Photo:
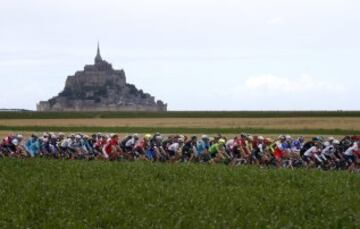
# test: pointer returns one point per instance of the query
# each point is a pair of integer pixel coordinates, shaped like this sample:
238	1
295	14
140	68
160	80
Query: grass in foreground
53	194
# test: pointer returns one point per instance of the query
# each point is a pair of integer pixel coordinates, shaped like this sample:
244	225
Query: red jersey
140	145
109	146
255	142
100	143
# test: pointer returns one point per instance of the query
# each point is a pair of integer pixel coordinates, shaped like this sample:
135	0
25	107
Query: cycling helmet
205	137
147	136
222	141
19	136
15	142
34	135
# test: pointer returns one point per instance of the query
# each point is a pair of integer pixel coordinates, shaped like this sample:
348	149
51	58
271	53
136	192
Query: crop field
178	114
281	123
43	193
304	123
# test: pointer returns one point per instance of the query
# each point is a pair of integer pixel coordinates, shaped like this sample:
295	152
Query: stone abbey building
99	87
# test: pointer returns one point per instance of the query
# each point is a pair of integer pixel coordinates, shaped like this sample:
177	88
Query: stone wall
45	106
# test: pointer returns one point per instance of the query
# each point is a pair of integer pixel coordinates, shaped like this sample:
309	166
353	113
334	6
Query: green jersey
215	148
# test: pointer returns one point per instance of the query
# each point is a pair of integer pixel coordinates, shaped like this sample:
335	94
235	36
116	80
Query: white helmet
19	136
15	142
326	144
261	138
204	137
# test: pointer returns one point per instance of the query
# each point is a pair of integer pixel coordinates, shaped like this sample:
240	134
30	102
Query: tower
98	58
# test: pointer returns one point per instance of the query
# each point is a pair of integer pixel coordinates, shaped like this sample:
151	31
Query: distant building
99	87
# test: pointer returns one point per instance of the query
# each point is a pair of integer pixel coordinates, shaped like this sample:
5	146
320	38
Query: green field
81	194
171	130
177	114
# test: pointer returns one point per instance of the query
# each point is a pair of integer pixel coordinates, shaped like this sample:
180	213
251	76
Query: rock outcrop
101	88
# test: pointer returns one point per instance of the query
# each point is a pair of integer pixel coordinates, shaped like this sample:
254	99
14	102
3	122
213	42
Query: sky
192	54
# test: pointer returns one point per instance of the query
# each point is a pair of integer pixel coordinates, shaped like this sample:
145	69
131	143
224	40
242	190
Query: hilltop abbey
99	87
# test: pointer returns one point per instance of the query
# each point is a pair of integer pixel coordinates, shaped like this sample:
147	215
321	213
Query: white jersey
230	144
311	151
350	150
280	145
261	147
174	147
131	142
66	143
328	150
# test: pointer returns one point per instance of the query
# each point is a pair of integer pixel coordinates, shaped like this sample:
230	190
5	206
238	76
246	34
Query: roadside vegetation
43	193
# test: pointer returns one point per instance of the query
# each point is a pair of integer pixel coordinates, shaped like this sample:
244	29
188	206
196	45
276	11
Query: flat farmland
269	123
255	122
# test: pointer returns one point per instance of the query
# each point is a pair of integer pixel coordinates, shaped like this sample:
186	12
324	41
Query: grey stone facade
101	88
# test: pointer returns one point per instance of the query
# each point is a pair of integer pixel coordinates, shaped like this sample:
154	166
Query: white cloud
273	21
272	92
303	83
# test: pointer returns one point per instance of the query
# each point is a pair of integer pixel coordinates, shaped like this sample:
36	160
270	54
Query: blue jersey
201	146
296	145
32	146
286	145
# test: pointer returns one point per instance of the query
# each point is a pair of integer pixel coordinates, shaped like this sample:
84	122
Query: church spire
98	56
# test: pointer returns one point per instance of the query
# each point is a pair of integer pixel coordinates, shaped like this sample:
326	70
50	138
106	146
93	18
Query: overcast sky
192	54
